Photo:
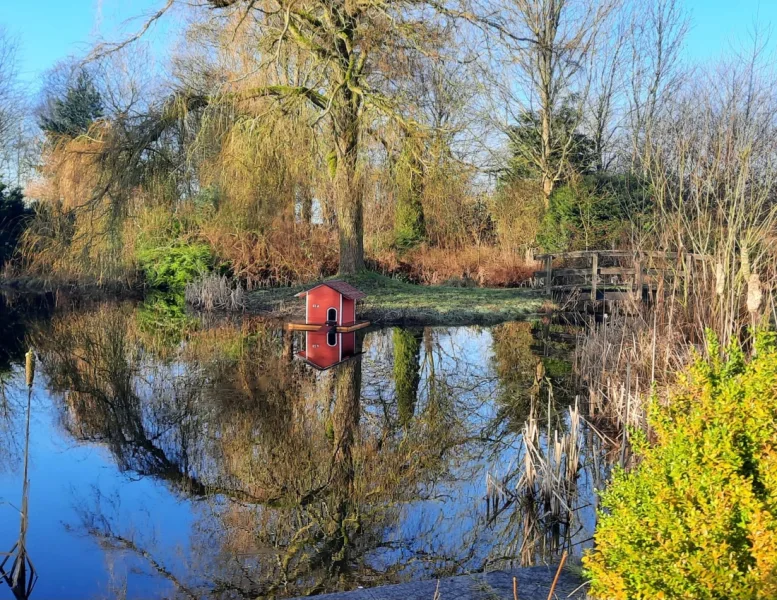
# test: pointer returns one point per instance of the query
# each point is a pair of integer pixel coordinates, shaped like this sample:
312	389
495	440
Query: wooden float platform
344	328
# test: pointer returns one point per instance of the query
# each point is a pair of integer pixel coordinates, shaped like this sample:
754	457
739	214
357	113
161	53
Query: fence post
548	273
594	274
688	264
638	278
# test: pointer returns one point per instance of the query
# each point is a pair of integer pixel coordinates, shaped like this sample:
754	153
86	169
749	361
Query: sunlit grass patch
392	300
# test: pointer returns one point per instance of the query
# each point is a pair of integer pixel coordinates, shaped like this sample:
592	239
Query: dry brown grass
215	292
483	266
288	254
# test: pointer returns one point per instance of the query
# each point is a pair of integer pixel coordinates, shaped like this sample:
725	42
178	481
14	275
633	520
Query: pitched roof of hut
341	287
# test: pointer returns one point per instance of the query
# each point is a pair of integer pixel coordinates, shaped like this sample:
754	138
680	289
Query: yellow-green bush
697	519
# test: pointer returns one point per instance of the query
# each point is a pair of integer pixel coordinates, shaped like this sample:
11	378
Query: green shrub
409	225
171	267
595	211
698	517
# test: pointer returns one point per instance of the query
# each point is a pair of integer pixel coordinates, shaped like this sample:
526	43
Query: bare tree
712	158
605	111
12	110
8	75
550	44
656	37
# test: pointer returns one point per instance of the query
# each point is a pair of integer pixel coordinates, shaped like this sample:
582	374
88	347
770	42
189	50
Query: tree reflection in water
302	482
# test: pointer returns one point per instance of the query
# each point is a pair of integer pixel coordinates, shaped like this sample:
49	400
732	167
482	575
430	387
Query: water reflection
325	349
272	478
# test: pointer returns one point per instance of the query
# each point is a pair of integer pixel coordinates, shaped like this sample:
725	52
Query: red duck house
330	306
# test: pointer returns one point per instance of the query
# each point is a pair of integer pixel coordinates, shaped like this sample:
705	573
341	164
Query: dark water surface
174	456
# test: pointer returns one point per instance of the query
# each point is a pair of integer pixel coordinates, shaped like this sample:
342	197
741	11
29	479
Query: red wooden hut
331	306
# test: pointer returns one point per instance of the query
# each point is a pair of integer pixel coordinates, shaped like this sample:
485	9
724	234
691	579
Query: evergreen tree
13	215
74	114
525	140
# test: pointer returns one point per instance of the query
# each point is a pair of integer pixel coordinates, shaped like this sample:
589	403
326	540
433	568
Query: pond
173	455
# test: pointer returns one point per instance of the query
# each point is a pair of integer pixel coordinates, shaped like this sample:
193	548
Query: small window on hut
331	315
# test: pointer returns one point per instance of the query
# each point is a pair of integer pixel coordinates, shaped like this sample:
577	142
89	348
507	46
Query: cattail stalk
754	294
29	367
720	279
744	259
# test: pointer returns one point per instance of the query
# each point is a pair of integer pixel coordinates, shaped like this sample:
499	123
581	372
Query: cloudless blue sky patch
717	26
50	30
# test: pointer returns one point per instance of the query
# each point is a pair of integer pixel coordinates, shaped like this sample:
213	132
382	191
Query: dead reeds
216	292
546	490
620	361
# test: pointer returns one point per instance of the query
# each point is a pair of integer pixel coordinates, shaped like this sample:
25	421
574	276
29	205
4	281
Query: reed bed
624	363
545	491
216	292
632	358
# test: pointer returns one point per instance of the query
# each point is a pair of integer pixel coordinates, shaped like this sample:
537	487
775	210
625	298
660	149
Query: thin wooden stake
515	588
558	573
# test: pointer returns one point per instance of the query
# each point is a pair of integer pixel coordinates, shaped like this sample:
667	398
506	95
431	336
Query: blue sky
717	25
50	30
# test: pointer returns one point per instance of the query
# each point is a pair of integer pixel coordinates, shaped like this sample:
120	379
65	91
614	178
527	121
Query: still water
178	456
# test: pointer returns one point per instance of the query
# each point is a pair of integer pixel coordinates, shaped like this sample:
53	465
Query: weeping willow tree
75	233
97	168
181	169
343	61
262	157
263	173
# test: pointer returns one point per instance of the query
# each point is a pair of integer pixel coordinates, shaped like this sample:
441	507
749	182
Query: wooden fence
617	275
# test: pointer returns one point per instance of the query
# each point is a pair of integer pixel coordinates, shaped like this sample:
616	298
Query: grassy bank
393	301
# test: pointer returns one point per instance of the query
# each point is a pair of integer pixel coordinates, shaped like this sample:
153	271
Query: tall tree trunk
350	220
348	188
547	150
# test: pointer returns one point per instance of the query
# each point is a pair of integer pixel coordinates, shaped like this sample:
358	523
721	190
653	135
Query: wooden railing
616	271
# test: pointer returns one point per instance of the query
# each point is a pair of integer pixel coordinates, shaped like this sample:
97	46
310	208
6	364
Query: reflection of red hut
325	349
330	306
